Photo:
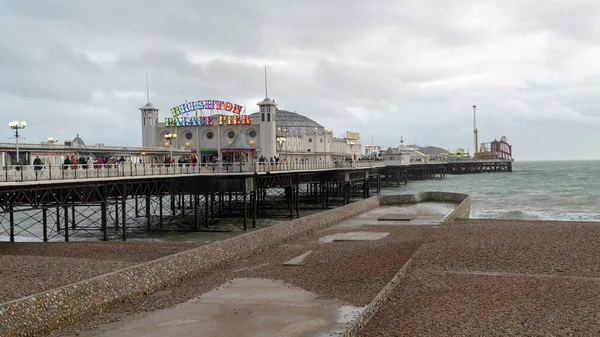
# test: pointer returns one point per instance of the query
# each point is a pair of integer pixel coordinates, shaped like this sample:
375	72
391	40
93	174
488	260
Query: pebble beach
466	278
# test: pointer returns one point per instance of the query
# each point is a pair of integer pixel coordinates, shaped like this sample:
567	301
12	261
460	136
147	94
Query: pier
479	166
117	202
58	203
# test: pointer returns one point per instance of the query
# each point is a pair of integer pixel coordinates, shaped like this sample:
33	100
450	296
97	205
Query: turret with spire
149	119
268	124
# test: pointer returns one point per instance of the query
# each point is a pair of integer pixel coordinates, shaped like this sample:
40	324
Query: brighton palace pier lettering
207	121
235	119
208	105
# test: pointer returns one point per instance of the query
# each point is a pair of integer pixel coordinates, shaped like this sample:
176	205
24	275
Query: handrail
49	172
45	172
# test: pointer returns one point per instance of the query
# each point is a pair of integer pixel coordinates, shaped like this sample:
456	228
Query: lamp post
52	140
15	125
170	136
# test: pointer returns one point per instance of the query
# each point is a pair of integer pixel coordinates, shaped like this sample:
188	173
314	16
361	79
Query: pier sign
208	120
183	109
208	104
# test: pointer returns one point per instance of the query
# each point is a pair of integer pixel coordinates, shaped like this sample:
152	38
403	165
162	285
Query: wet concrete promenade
312	286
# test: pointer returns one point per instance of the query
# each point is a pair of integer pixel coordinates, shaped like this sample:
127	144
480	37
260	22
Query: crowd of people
88	162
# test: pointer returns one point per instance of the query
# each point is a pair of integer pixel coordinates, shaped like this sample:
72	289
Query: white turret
149	121
268	135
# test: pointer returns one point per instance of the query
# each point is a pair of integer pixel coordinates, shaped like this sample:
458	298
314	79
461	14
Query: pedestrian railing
22	173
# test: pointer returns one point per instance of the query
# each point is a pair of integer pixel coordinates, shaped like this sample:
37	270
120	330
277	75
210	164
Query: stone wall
43	312
365	316
462	210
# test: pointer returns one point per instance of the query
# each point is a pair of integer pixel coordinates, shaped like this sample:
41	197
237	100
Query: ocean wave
5	238
535	215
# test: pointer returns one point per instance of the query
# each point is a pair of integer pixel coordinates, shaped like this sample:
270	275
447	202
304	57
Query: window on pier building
268	116
263	117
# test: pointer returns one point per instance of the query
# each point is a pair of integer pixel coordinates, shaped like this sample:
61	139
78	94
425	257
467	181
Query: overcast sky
383	68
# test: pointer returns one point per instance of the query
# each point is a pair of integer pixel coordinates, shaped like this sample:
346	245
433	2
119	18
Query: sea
534	190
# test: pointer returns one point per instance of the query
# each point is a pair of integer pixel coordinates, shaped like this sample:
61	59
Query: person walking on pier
99	163
37	163
66	162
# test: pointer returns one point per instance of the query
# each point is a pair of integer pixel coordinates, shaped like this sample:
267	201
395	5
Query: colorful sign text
208	105
208	120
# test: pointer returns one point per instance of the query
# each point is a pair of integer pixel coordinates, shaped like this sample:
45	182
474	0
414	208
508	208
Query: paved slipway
312	286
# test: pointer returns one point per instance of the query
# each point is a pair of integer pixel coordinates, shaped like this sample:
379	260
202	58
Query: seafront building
211	130
222	131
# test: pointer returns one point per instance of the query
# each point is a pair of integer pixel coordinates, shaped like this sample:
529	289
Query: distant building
495	149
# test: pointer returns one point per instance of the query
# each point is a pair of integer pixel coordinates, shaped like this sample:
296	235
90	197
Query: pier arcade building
223	131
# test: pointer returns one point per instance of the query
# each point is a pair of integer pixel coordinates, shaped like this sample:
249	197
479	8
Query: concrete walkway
339	265
244	307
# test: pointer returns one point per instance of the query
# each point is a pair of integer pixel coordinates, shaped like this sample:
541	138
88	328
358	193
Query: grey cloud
389	68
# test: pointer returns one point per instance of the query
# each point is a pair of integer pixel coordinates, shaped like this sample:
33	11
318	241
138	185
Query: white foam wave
4	238
535	215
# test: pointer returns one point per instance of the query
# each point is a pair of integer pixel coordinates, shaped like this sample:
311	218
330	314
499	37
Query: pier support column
137	210
58	229
297	200
253	205
66	210
196	215
289	198
182	204
160	212
323	194
73	221
44	223
221	204
327	184
173	213
103	221
245	212
12	224
206	198
346	193
148	223
212	205
317	192
124	211
117	214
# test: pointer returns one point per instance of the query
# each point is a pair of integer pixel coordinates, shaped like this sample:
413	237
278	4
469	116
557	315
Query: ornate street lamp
15	125
170	136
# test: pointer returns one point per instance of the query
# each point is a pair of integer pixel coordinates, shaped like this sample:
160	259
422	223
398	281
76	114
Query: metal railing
476	160
22	173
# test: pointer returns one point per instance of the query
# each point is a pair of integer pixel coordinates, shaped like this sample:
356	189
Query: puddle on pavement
245	307
354	236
